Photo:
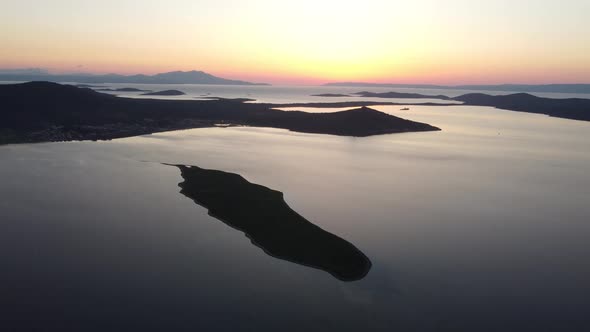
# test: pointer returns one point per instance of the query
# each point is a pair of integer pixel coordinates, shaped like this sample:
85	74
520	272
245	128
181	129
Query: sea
483	226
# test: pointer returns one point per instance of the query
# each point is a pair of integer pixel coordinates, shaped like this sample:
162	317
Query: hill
572	108
551	88
44	111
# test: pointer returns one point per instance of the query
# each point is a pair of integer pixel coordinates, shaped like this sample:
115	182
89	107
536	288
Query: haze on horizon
306	42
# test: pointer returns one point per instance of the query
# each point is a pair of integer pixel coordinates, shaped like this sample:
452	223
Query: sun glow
306	41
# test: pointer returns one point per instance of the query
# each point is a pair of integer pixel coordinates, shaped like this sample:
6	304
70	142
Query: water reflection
264	216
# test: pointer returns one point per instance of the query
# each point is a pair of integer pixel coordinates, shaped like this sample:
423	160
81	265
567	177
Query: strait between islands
44	111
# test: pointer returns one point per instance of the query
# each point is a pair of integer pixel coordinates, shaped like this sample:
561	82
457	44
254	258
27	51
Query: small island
89	86
165	93
331	95
266	219
123	90
238	100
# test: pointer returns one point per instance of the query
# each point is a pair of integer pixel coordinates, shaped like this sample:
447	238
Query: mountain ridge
172	77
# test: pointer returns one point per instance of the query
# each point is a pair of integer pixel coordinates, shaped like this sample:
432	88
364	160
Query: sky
305	41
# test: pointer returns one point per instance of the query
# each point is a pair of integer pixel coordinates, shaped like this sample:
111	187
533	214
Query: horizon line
320	82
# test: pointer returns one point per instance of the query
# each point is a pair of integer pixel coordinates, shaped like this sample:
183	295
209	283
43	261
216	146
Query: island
552	88
120	89
241	100
331	95
568	108
89	86
400	95
45	111
164	93
266	219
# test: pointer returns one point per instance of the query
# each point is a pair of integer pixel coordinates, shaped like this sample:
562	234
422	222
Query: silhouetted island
400	95
173	77
44	111
120	89
571	108
344	104
266	219
89	86
241	100
568	108
164	93
331	95
554	88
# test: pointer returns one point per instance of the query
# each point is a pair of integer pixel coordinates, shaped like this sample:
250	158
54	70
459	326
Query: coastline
50	112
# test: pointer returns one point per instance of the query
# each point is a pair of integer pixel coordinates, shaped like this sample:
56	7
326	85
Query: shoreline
49	112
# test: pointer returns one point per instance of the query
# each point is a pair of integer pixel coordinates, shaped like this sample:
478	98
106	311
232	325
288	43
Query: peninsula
571	108
44	111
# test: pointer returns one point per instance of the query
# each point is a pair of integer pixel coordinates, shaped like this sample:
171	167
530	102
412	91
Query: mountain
174	77
550	88
24	71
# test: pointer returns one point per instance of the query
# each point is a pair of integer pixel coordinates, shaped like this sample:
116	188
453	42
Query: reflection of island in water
264	216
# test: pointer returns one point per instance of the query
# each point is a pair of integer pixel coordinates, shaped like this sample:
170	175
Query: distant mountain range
554	88
174	77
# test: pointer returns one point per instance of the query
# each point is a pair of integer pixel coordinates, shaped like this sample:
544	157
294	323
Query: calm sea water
481	227
298	94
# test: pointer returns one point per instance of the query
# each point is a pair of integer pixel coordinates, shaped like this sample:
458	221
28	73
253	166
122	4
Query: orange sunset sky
304	41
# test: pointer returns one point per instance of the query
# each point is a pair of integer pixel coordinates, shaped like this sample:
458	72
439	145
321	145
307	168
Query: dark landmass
118	90
331	95
44	111
241	100
266	219
90	86
165	93
359	122
175	77
550	88
572	108
345	104
400	95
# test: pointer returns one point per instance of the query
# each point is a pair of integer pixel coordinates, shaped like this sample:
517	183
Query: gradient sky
306	41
